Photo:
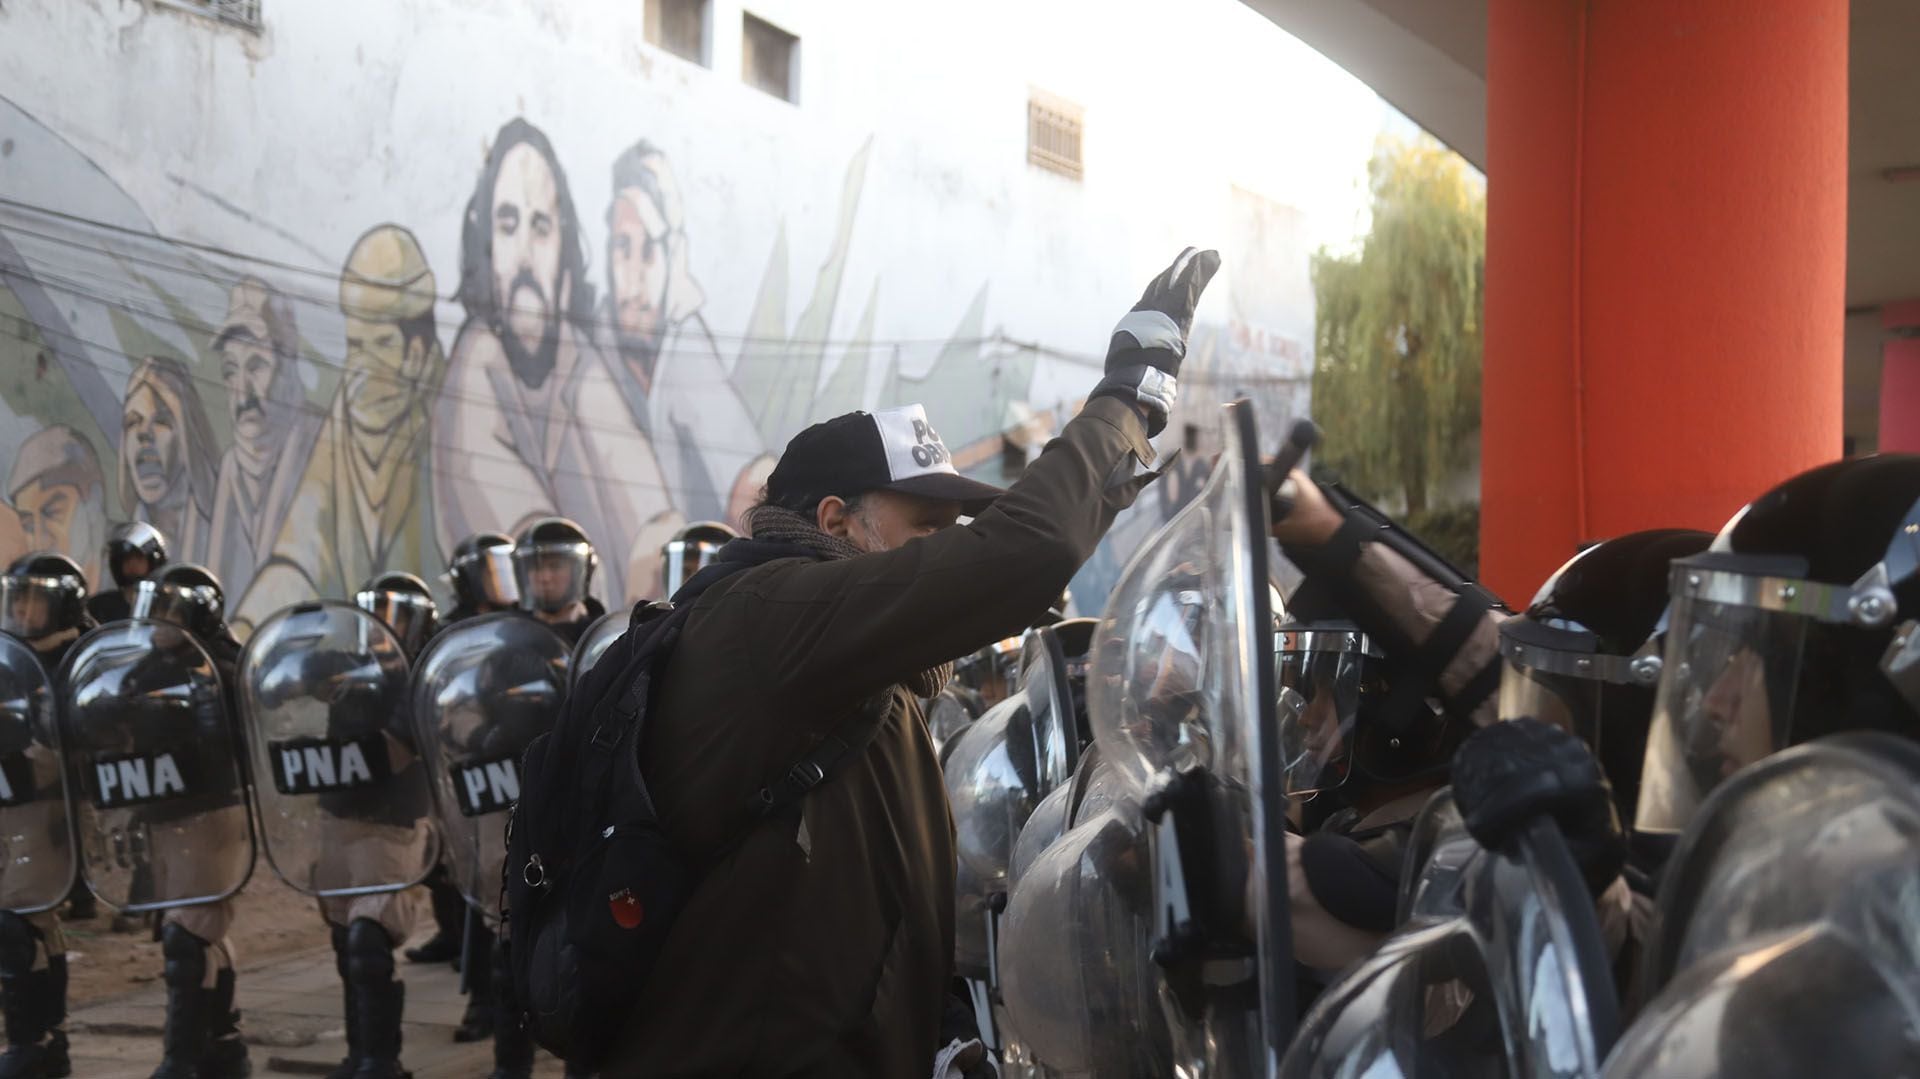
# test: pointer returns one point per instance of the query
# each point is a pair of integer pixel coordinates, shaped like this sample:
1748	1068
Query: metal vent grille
1053	135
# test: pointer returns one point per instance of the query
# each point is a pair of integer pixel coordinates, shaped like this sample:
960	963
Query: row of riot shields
1123	906
1122	877
348	767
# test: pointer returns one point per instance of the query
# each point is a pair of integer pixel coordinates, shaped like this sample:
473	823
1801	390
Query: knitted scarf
780	525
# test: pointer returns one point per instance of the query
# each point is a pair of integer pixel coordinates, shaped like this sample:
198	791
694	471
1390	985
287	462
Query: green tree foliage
1396	381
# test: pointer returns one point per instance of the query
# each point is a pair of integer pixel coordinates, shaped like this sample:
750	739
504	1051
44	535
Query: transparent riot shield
481	692
1786	941
36	835
154	764
1181	698
1499	970
1079	982
596	640
345	806
998	769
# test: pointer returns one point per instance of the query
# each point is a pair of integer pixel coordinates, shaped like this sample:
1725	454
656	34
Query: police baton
1300	439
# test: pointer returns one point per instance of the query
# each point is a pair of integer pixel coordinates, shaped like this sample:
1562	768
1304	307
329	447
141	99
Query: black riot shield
1499	970
36	836
154	764
1786	943
344	800
1182	700
599	637
481	691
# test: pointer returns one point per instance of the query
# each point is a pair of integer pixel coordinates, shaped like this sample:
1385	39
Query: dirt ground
272	920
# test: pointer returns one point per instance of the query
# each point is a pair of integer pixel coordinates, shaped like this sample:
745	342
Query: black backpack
592	884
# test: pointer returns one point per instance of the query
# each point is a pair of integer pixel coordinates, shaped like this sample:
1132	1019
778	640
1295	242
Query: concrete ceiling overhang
1428	58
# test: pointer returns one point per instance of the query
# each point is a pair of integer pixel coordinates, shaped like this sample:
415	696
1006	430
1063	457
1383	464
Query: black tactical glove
1510	773
1143	358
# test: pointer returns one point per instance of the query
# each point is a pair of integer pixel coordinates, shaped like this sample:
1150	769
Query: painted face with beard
151	440
251	371
529	287
637	273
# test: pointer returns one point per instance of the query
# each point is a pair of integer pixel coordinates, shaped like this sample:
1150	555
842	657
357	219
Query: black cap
894	449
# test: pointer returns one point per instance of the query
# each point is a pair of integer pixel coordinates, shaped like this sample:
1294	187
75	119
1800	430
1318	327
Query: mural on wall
301	429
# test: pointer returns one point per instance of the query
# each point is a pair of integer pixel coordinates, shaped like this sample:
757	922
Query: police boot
380	1000
81	906
477	1024
512	1046
36	1048
189	1005
54	981
226	1056
350	1011
449	917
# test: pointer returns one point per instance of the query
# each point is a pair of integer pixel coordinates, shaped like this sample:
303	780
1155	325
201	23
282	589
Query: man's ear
831	517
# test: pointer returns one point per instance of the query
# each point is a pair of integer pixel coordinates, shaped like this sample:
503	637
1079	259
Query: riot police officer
134	549
1782	943
553	564
1586	653
1798	621
365	929
43	603
481	570
202	1036
691	549
1389	661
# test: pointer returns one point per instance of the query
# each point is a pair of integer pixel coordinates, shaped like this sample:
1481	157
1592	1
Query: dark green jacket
822	945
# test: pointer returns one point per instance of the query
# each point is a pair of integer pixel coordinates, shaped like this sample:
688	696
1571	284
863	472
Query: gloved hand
1143	358
965	1060
1507	774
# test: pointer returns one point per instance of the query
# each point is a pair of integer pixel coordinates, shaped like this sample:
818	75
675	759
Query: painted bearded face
529	286
637	272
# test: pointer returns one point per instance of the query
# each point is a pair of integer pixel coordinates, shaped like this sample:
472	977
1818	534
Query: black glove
1510	773
1143	358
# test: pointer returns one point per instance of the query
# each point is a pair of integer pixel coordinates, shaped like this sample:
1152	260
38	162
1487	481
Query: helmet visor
487	576
552	576
411	617
28	606
1566	701
189	608
1725	700
1322	675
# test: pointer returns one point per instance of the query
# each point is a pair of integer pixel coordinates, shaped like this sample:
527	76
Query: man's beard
533	366
641	348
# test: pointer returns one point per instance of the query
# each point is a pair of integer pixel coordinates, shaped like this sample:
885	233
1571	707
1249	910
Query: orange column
1666	255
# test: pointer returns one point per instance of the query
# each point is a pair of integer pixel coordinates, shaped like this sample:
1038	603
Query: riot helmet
1799	620
1585	655
134	540
41	594
403	602
690	550
481	570
1328	674
553	564
1344	720
184	594
990	672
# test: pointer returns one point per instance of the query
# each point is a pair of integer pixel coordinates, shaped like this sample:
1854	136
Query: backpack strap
842	744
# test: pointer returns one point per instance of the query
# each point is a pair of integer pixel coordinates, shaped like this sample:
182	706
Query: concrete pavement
291	1017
